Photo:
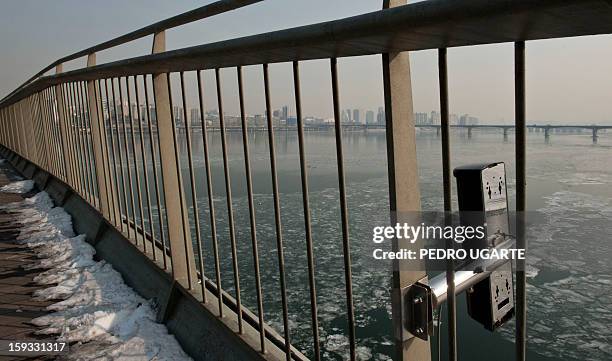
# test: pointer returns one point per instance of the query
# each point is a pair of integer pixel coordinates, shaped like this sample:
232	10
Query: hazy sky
568	80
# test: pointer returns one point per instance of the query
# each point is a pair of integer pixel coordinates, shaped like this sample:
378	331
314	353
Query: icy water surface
570	275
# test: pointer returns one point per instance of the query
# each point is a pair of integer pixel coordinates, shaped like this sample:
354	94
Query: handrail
425	25
83	127
202	12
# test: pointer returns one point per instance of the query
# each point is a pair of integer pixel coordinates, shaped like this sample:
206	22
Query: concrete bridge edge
201	333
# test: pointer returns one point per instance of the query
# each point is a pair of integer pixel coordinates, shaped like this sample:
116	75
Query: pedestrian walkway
17	307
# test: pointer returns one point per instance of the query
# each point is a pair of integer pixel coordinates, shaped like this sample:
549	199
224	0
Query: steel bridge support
181	249
404	193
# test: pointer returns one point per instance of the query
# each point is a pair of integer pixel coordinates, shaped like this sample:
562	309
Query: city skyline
480	78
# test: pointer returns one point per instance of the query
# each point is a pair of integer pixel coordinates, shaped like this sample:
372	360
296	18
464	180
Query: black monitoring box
483	201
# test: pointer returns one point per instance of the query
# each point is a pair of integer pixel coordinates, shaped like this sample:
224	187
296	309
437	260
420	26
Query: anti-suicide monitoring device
483	200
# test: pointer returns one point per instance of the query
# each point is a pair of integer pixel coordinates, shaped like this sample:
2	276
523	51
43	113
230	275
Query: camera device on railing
483	202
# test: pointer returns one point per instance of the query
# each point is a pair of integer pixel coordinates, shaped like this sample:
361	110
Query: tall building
285	113
195	116
435	118
421	119
349	116
346	116
369	117
380	116
356	118
177	112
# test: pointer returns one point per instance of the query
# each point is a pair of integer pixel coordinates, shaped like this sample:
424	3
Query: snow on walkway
19	187
99	314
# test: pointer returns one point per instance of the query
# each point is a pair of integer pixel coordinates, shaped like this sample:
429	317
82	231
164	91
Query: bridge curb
199	331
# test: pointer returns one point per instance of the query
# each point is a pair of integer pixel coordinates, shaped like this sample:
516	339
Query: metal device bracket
417	307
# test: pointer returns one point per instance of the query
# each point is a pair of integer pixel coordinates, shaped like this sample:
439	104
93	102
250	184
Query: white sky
568	80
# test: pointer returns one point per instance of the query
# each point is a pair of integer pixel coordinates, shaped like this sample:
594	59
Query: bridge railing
110	132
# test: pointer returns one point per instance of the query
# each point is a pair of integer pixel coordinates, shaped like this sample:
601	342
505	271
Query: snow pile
20	187
100	316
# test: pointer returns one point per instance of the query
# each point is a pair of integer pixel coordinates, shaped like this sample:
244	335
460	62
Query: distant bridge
547	128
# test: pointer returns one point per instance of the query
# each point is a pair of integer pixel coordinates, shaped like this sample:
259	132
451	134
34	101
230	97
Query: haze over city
562	75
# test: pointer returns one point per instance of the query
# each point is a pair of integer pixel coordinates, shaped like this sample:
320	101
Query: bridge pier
595	136
438	131
505	134
469	133
547	134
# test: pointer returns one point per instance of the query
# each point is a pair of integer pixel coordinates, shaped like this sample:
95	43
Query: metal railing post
62	116
521	198
23	112
451	304
404	192
183	262
99	150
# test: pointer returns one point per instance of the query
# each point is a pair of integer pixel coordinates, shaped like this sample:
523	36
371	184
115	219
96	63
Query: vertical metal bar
136	170
87	143
127	162
162	236
57	125
343	209
230	208
51	133
187	246
68	137
521	198
194	196
446	179
253	223
110	190
123	186
98	176
25	148
75	143
277	215
306	205
96	121
89	165
44	141
43	132
145	171
211	201
61	119
111	158
84	165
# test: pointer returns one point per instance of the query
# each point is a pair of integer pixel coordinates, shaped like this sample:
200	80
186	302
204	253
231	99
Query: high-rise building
356	118
346	116
434	119
177	112
349	116
421	119
380	116
369	117
285	113
195	116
